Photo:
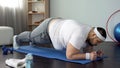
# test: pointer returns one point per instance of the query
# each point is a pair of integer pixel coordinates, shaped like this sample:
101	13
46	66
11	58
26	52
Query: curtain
13	13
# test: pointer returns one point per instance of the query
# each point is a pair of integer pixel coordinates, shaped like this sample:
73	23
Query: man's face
95	40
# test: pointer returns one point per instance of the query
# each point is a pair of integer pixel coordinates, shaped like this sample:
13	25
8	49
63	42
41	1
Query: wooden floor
112	50
3	58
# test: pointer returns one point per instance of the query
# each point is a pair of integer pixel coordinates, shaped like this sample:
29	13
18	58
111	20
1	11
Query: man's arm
89	49
72	53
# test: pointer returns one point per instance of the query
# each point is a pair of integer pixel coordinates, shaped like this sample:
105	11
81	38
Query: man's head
96	36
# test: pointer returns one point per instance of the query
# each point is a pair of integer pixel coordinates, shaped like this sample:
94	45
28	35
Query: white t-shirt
64	31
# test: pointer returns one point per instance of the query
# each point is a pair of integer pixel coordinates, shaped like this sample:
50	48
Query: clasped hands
95	54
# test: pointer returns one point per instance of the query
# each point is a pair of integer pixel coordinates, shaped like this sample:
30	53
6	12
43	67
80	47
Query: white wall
92	12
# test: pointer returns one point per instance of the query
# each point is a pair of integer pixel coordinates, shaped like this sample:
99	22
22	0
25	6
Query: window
11	3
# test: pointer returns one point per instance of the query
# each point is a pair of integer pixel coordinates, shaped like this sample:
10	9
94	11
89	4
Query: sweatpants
39	35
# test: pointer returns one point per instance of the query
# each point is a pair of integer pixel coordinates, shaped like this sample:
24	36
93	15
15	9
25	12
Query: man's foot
15	44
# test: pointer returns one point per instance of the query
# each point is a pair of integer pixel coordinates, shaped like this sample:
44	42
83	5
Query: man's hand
99	53
93	55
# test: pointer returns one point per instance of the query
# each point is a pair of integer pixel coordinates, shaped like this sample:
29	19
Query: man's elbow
69	56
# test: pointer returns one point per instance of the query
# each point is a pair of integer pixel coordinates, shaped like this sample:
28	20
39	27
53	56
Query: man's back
64	31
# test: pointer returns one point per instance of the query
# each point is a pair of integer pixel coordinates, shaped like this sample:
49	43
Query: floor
9	55
3	58
14	55
112	50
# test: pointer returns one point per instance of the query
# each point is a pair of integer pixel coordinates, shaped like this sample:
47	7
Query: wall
92	12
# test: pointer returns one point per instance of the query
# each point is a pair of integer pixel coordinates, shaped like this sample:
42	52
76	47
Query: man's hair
102	31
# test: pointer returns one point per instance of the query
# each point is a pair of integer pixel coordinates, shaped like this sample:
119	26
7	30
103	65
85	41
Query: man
66	35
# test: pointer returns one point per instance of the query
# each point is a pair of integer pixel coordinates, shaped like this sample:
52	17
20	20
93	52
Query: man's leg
23	37
40	34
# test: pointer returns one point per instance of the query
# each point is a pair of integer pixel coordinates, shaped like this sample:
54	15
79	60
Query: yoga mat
50	53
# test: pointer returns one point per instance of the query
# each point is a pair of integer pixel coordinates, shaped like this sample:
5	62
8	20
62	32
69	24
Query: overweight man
65	34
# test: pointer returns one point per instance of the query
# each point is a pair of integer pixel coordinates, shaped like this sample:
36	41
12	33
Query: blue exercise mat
50	53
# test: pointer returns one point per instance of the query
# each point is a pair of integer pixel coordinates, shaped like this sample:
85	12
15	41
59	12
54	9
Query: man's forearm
77	56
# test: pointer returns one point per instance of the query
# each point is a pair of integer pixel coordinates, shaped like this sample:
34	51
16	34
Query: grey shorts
39	35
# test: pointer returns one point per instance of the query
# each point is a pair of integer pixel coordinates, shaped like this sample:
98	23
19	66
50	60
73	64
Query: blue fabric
50	53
